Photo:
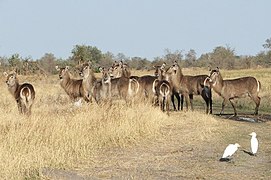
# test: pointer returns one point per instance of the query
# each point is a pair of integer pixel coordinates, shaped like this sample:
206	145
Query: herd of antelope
159	89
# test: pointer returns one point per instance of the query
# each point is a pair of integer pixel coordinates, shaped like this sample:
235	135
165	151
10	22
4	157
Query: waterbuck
162	90
24	94
162	70
116	88
73	87
235	88
145	82
188	86
89	80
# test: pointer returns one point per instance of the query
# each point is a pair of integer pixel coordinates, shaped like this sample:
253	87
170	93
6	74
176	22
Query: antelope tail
25	95
166	93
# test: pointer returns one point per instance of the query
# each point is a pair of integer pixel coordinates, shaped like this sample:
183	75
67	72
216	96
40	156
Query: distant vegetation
223	57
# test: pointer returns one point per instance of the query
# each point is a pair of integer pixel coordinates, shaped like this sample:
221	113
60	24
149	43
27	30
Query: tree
48	62
83	53
222	57
190	58
15	62
107	59
267	44
170	57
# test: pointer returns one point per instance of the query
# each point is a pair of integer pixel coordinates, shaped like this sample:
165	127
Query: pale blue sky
143	28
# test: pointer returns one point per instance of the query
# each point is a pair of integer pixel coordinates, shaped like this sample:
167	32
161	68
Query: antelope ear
89	63
101	69
5	74
217	68
67	68
57	68
163	65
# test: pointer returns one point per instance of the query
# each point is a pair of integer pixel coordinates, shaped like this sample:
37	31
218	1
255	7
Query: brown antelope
116	88
73	87
163	90
174	93
145	82
89	80
93	87
235	88
24	94
188	86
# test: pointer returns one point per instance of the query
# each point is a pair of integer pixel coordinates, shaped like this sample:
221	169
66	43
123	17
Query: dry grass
58	135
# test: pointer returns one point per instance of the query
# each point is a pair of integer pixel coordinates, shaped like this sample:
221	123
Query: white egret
254	143
229	151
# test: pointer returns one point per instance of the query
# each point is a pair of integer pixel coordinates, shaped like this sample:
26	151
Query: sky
136	28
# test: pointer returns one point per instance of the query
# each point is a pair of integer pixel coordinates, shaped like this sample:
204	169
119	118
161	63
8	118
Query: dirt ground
168	158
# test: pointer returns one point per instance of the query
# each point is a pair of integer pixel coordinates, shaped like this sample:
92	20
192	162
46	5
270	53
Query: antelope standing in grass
174	93
163	90
145	82
89	80
24	94
188	86
122	87
235	88
73	87
93	87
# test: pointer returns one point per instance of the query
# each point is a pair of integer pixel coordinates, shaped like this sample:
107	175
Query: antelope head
173	69
62	71
106	77
85	70
11	78
213	77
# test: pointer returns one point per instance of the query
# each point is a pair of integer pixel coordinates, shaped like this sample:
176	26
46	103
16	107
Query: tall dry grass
59	135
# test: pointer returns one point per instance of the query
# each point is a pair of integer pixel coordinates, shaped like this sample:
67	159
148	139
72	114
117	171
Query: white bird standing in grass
254	143
229	151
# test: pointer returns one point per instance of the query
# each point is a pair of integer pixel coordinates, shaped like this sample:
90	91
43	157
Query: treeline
223	57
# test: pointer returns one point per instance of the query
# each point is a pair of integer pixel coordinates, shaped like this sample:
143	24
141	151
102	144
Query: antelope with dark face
24	94
235	88
188	86
163	90
73	87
